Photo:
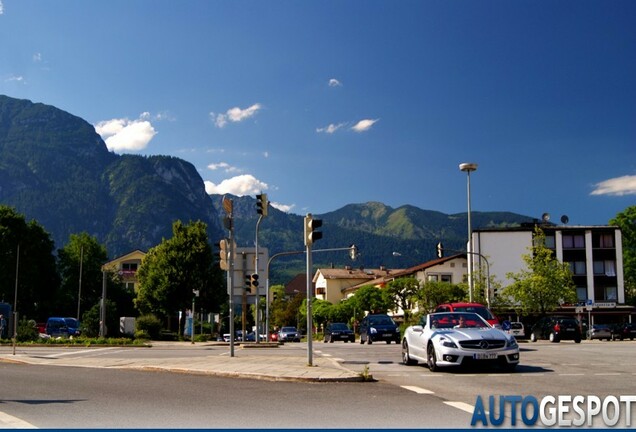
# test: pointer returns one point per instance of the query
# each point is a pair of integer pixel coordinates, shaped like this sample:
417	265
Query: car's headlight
448	343
512	343
373	330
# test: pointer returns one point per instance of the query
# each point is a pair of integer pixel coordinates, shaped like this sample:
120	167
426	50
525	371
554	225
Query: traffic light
311	235
224	249
262	204
254	283
353	252
248	283
440	250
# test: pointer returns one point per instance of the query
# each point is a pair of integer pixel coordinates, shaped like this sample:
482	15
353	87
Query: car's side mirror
417	328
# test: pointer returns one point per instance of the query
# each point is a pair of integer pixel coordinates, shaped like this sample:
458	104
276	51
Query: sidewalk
267	362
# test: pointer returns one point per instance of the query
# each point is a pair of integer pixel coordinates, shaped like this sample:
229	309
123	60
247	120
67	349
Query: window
577	267
606	241
550	242
611	293
581	293
574	241
446	278
607	268
432	278
129	266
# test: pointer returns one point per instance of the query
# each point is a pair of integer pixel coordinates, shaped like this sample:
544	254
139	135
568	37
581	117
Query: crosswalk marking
418	390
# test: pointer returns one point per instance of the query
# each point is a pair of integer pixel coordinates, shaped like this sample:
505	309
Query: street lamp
468	168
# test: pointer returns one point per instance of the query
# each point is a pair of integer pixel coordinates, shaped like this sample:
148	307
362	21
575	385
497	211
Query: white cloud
1	8
241	185
37	57
17	78
334	83
331	128
283	207
235	115
223	166
121	135
364	125
619	186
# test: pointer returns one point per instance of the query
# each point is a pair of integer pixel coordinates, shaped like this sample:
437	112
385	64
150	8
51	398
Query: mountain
55	169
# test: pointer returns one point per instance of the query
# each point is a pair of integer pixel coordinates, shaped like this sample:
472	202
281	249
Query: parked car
338	332
288	334
516	329
458	339
379	327
477	308
73	326
556	329
600	331
59	327
624	331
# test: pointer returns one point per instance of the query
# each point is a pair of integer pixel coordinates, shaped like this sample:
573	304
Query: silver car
457	339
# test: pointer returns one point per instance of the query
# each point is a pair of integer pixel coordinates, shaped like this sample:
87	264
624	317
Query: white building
594	253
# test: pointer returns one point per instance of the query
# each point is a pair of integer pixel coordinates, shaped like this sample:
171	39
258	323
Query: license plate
570	329
485	356
386	335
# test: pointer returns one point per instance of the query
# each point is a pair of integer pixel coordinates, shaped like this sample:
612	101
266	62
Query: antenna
565	219
545	217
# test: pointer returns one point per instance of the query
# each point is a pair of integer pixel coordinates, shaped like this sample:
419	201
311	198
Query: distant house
334	284
126	267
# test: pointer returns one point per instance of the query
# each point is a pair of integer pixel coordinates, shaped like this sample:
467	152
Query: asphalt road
402	396
67	397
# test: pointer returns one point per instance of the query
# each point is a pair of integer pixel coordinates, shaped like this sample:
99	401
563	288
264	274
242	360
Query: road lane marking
607	374
80	352
418	390
462	406
9	422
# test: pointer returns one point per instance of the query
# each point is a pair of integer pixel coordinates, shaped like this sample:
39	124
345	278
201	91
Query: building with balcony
125	267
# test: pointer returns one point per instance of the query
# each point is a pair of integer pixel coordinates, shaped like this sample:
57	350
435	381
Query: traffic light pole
353	252
257	334
309	308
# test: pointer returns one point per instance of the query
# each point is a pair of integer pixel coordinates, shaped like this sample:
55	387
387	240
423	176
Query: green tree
287	311
626	220
176	267
82	253
401	294
37	279
433	293
369	298
544	284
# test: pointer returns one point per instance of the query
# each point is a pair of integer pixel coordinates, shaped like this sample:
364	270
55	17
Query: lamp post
468	167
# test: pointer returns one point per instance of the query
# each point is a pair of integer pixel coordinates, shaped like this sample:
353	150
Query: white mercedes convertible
458	339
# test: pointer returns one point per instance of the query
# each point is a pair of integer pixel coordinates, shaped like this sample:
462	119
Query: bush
149	324
27	331
142	334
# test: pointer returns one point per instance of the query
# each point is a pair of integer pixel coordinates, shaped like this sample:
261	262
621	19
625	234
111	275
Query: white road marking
9	422
418	390
462	406
83	352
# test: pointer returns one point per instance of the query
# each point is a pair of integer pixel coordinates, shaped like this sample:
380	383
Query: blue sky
326	103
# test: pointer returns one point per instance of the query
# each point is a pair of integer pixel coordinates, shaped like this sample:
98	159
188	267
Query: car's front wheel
533	337
553	338
431	358
406	357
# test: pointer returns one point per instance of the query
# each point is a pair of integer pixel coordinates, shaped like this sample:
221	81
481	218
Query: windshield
457	320
71	322
381	321
339	326
288	329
